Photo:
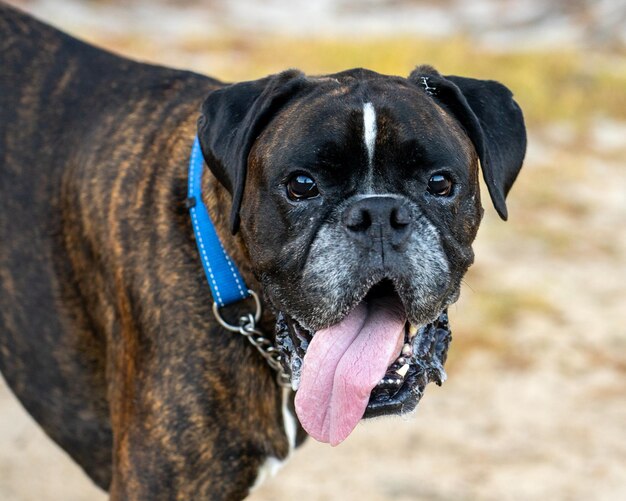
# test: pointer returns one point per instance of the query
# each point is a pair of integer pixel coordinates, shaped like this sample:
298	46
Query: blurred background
535	403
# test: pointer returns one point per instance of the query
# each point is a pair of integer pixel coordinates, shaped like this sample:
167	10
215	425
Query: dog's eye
301	186
440	185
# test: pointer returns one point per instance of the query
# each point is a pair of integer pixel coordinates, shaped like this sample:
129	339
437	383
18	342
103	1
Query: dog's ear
232	118
492	119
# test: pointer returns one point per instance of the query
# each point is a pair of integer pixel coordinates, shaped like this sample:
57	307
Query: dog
348	202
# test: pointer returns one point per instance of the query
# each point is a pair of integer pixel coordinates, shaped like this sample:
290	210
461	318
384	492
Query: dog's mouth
371	363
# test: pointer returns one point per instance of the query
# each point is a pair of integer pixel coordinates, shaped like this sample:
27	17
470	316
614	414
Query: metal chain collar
264	345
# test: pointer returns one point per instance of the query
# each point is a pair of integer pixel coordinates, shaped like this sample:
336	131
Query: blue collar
227	285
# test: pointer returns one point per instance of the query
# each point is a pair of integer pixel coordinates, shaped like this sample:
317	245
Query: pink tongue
342	365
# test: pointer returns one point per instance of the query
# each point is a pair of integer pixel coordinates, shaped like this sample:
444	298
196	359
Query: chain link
265	346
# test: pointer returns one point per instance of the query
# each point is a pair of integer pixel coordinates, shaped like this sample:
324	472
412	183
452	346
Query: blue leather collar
227	285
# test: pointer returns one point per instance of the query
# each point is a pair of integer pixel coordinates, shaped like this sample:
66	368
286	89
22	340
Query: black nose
383	217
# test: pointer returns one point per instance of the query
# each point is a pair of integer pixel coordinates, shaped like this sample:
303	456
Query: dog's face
350	187
359	200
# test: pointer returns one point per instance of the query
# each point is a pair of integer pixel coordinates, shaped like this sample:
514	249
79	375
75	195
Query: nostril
358	219
378	217
400	217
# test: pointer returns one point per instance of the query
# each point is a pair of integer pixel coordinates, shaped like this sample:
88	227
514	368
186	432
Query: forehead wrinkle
312	135
315	118
310	113
423	127
425	117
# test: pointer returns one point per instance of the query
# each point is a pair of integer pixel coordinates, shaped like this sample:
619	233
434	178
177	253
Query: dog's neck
218	201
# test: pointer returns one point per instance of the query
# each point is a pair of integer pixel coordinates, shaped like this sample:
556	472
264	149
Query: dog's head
358	198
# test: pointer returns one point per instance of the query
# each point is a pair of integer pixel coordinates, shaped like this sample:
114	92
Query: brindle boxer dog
349	202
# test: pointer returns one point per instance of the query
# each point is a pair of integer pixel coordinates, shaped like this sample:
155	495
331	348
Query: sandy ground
534	407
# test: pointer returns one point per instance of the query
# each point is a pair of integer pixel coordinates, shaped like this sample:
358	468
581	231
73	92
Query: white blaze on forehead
369	130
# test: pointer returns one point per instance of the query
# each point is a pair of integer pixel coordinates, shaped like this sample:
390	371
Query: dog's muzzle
418	357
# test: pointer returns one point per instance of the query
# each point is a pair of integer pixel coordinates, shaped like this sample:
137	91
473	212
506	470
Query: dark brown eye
301	186
440	185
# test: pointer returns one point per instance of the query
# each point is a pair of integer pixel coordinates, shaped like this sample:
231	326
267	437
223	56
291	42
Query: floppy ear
232	118
492	119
